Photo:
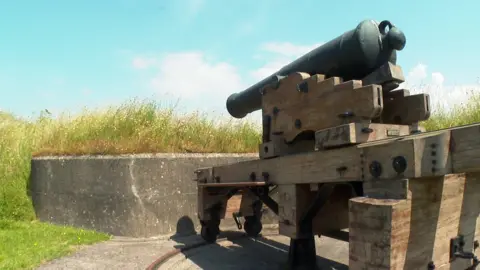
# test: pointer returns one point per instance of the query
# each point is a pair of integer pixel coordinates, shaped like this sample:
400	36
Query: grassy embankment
132	128
136	127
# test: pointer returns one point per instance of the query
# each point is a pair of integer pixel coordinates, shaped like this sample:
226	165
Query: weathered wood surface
294	200
322	108
410	233
356	133
454	150
403	109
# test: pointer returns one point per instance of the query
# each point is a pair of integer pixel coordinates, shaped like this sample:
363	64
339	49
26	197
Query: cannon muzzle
351	56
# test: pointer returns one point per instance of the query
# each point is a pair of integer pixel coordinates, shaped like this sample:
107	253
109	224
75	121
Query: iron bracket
456	252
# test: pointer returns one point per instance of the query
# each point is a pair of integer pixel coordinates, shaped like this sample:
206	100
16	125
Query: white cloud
143	62
190	75
288	49
282	54
437	78
442	95
268	69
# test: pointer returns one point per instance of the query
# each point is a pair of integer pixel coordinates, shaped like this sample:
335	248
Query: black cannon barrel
353	55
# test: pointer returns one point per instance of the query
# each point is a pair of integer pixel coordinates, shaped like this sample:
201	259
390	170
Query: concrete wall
134	195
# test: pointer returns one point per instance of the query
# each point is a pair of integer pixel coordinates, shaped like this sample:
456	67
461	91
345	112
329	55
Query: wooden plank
426	154
247	200
334	214
294	200
422	155
408	234
233	184
356	133
363	103
405	110
206	200
386	189
465	146
338	165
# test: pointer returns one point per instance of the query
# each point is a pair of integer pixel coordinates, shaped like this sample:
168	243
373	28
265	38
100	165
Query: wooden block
207	199
410	233
400	93
274	148
371	231
286	92
334	215
298	88
363	103
385	74
465	146
405	110
292	202
355	133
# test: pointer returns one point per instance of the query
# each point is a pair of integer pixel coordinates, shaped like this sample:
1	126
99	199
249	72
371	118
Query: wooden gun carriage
348	159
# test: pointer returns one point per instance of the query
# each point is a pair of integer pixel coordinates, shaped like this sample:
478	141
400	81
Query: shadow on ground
236	253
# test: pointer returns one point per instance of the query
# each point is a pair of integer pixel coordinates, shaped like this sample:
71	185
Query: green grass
134	127
27	244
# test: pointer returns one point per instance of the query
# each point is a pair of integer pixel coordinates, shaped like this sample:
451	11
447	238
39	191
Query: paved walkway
267	253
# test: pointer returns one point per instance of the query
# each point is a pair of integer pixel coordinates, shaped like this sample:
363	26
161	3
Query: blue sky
64	55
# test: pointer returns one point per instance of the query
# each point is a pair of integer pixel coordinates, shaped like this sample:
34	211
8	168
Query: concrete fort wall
131	195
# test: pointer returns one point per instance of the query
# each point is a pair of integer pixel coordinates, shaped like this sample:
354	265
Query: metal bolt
275	110
298	123
302	87
399	164
367	130
375	169
266	176
346	115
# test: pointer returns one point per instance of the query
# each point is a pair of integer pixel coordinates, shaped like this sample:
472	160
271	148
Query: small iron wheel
253	226
210	231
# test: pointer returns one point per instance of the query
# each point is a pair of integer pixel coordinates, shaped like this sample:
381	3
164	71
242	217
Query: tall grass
135	127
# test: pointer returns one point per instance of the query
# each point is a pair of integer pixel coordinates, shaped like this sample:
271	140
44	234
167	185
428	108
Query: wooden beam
332	109
233	184
427	154
406	109
338	165
356	133
411	233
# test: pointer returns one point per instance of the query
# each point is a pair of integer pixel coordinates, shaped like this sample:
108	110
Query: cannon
343	154
353	55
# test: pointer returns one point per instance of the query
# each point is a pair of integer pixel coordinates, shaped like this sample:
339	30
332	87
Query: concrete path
269	252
